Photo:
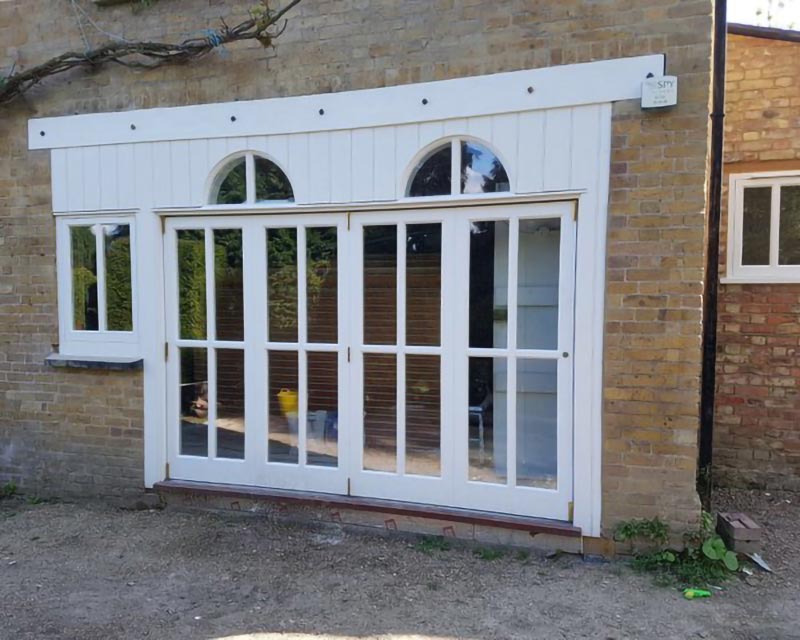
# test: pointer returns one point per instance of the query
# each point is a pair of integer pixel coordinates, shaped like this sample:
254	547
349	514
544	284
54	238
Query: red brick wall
757	430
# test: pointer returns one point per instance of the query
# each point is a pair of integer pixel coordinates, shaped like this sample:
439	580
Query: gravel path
88	571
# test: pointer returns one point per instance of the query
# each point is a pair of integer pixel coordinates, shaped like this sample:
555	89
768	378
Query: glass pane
537	422
537	284
282	284
194	402
322	285
283	405
322	431
119	295
481	171
230	403
423	415
423	284
84	279
271	182
380	412
432	175
380	285
230	187
789	249
229	291
192	284
487	429
756	225
488	284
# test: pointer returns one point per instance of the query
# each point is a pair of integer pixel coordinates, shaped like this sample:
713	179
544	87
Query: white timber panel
553	87
530	152
199	169
91	178
126	176
541	150
557	149
363	170
59	180
298	167
406	147
180	173
385	172
108	184
341	166
319	169
505	139
162	175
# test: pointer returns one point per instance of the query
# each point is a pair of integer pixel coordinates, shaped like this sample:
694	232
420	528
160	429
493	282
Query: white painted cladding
541	150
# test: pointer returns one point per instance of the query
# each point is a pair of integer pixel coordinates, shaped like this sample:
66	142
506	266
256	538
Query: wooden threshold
489	519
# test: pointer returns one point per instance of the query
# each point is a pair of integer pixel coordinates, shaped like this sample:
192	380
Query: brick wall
656	220
757	430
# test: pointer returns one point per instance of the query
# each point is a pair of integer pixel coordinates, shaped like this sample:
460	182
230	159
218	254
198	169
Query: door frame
591	206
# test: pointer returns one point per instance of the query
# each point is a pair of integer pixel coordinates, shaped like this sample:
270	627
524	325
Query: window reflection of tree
432	177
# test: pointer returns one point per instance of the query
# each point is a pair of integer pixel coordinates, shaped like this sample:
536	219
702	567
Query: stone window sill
107	363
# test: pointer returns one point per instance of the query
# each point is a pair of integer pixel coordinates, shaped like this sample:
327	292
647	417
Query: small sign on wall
661	92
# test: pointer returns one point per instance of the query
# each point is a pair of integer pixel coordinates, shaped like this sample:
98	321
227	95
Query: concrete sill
107	363
531	525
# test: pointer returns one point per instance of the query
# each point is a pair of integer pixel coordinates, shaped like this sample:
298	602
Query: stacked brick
757	427
81	432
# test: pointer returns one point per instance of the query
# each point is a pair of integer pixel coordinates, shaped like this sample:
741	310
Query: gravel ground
89	571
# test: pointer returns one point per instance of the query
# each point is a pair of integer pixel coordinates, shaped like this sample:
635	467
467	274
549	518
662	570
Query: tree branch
263	26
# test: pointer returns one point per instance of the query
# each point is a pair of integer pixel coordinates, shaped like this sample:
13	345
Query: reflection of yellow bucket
288	402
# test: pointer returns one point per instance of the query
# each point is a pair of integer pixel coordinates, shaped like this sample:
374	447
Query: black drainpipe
708	380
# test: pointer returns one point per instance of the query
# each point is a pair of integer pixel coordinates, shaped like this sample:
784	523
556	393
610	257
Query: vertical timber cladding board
358	165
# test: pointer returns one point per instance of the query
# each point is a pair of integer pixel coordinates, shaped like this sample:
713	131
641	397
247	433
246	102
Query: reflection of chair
331	429
479	411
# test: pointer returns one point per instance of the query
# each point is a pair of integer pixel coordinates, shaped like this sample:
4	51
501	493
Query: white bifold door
420	355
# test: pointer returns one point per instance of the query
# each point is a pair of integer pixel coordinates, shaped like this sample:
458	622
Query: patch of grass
431	544
8	489
34	500
487	553
523	556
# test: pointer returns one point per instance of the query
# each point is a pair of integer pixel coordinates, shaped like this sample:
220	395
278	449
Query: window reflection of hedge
271	182
192	284
84	279
119	298
233	189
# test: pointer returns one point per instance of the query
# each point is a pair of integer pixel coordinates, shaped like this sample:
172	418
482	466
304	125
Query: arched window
480	171
250	179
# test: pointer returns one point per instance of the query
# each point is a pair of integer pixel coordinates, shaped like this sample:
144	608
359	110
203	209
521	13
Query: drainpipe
708	379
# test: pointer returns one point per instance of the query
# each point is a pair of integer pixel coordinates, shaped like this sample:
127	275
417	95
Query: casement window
97	286
764	228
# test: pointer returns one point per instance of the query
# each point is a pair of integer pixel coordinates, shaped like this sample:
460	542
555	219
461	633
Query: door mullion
211	333
511	379
401	341
302	352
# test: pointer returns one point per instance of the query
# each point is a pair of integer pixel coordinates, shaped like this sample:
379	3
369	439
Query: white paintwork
101	342
554	143
566	85
757	274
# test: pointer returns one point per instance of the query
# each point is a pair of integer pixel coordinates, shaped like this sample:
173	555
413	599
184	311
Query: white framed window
97	288
764	228
249	178
458	166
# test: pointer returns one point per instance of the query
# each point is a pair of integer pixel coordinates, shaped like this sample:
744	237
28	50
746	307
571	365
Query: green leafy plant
486	553
8	489
34	500
431	544
652	530
704	559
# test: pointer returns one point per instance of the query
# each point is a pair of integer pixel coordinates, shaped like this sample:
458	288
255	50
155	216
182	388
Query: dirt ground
91	571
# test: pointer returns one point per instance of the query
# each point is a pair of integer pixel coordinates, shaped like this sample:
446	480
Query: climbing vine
263	25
